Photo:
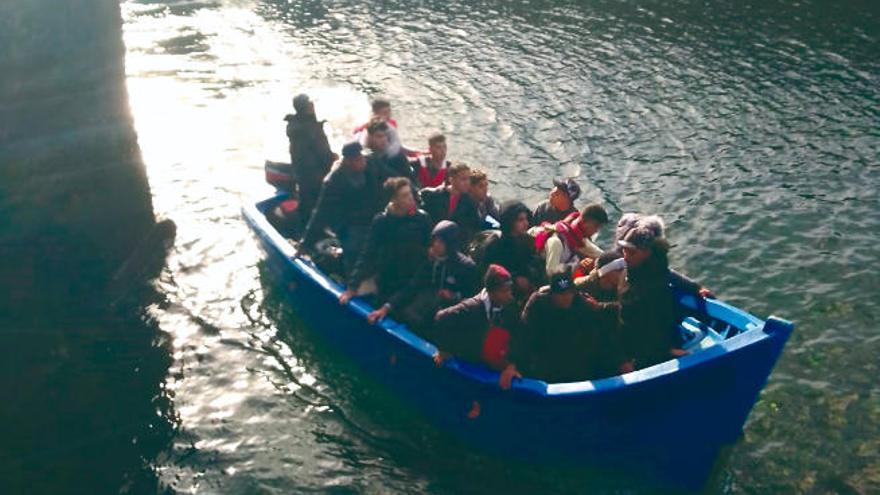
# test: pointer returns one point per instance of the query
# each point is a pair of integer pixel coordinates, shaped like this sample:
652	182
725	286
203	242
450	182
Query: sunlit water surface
751	127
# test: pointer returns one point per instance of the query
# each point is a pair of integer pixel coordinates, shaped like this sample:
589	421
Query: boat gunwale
752	331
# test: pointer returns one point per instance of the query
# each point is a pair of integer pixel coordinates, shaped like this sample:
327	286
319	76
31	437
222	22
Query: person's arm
553	250
590	250
322	214
365	267
681	281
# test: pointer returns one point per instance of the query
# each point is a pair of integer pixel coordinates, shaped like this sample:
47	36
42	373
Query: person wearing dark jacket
350	197
560	204
396	243
452	202
479	192
562	337
443	278
310	153
478	328
515	249
602	282
646	308
387	165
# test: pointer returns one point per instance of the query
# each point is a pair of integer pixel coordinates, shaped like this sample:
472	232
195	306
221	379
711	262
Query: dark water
752	127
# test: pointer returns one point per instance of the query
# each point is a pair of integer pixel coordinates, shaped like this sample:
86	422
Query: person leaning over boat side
560	204
442	279
431	169
479	192
566	246
452	202
563	338
515	250
386	164
479	328
350	197
602	282
397	240
646	309
310	153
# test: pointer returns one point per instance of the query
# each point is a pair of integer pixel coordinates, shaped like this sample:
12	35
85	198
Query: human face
635	256
404	199
437	249
559	199
357	163
521	224
384	113
480	191
562	300
438	151
502	296
589	227
378	141
461	183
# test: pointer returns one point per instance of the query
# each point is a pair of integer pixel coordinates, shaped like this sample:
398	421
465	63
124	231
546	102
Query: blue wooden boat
667	421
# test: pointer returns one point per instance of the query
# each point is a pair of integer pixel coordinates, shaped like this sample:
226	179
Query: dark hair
394	184
478	176
379	103
436	138
457	168
596	213
377	126
608	257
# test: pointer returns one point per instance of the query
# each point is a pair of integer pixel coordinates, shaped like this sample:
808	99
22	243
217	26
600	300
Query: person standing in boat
563	338
442	279
560	204
479	192
515	250
478	328
310	153
350	197
566	245
452	202
646	309
395	245
385	163
431	168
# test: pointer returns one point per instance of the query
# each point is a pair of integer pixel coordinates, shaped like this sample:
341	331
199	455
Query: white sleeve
553	249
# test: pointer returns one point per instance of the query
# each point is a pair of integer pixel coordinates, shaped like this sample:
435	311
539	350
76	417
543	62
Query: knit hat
497	276
351	149
301	102
561	282
625	224
569	187
646	232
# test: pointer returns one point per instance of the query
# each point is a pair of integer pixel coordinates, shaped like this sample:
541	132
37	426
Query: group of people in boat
533	296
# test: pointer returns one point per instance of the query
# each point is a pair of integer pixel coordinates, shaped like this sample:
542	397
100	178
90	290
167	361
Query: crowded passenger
515	250
350	197
563	338
381	112
478	328
602	282
431	168
395	245
560	204
443	278
567	245
310	153
479	192
452	202
381	159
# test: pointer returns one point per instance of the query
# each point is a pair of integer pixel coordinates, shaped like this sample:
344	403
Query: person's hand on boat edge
346	296
706	293
507	375
378	314
677	353
440	357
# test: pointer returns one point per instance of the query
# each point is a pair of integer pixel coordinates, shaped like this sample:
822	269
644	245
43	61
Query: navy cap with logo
561	282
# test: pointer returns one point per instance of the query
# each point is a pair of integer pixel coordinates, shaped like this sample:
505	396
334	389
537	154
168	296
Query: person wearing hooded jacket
515	249
310	153
395	244
444	277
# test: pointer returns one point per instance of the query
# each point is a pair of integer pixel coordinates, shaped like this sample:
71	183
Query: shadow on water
83	361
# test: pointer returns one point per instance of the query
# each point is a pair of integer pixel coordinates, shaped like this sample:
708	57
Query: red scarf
453	202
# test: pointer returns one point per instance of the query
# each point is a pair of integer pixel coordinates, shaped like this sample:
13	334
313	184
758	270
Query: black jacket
435	201
310	152
391	166
516	253
393	250
461	329
347	198
564	345
545	212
